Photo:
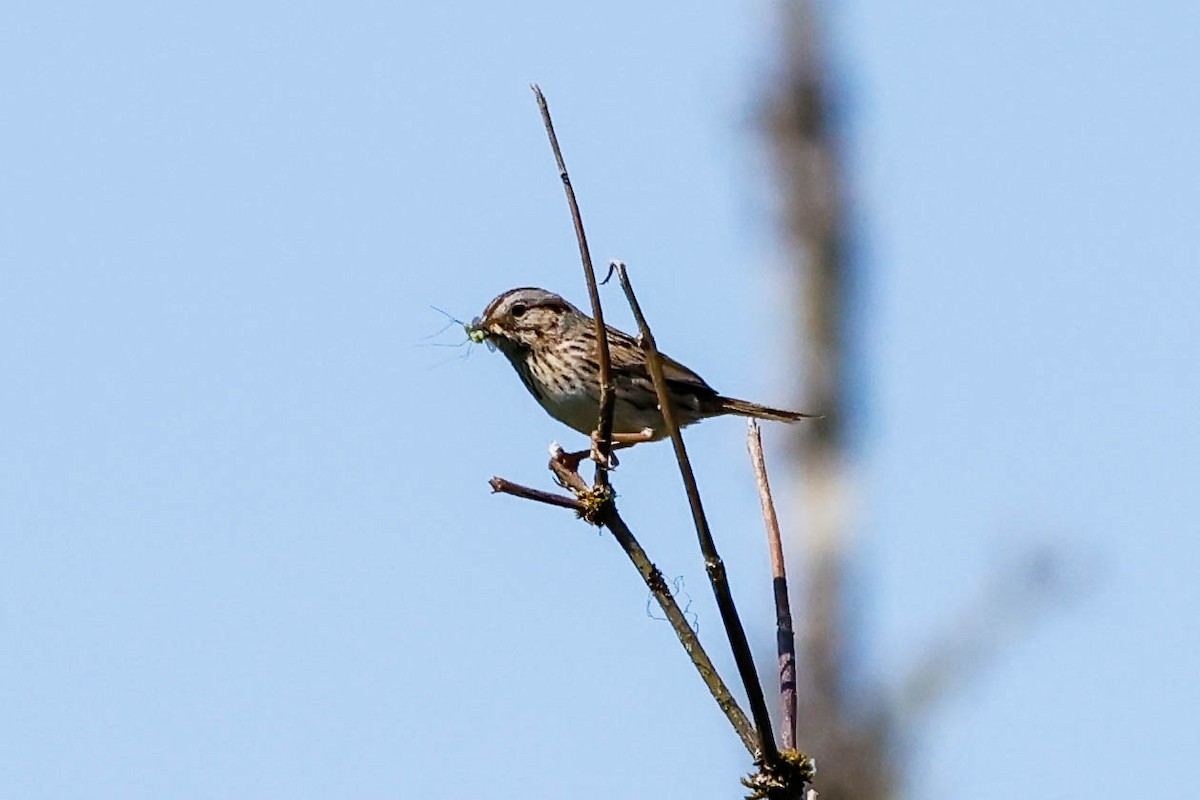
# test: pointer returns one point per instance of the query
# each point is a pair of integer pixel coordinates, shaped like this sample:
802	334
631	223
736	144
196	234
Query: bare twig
734	630
607	516
607	395
785	638
687	637
502	486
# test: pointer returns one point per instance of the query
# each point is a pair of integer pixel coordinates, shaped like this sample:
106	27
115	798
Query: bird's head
522	319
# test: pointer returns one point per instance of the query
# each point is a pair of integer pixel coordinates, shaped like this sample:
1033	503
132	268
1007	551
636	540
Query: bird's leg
620	441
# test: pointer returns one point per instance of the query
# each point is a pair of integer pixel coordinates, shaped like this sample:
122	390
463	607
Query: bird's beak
476	331
479	332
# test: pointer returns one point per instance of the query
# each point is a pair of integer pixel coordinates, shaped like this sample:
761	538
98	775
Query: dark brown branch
502	486
785	638
607	516
734	630
687	637
607	395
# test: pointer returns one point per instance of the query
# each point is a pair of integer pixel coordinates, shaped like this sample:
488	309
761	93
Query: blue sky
248	546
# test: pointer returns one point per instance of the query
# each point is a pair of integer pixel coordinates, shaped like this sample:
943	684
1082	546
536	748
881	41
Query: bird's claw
611	462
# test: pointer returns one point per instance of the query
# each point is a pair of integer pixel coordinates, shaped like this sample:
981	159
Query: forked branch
779	775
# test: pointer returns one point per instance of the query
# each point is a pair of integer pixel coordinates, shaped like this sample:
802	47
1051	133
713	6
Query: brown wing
631	375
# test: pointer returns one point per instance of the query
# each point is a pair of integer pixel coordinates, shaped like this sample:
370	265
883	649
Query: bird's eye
518	310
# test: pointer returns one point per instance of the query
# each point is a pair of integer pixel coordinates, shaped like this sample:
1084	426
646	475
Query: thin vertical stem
607	396
785	638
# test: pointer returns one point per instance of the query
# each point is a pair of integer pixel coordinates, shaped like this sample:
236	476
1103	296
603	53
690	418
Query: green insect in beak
474	332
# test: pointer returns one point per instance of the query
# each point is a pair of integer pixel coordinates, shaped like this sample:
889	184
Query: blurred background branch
798	118
854	729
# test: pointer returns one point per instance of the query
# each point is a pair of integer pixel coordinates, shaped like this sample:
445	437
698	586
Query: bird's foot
618	441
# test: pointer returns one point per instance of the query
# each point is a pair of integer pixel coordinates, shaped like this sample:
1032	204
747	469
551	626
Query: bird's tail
745	408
